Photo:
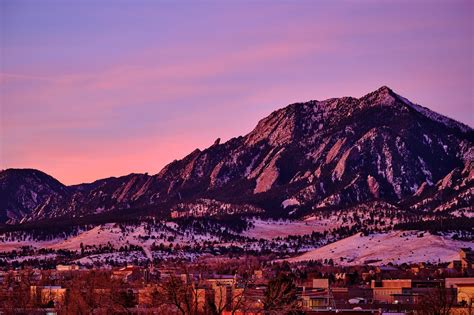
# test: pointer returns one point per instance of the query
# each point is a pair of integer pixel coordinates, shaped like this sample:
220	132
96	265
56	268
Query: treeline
235	223
66	223
440	225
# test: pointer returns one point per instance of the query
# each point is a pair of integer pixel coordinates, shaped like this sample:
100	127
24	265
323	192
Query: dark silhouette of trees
280	296
438	301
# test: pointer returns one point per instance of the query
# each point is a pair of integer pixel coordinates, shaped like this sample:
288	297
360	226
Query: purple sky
98	88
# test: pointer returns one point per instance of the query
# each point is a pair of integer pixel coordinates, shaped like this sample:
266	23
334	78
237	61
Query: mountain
27	191
301	159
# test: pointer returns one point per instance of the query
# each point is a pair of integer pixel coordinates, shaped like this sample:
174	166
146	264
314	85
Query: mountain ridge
338	152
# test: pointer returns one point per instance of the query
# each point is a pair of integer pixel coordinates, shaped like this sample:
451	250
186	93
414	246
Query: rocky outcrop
339	152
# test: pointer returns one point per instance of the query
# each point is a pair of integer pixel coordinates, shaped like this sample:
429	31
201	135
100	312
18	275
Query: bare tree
280	296
438	301
240	295
16	292
217	302
156	301
95	292
183	294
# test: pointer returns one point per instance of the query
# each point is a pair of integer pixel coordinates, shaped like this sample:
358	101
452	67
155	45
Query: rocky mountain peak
335	153
384	96
384	90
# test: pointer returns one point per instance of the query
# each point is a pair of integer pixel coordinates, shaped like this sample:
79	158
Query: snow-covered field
382	248
99	241
112	234
115	236
104	242
99	235
6	246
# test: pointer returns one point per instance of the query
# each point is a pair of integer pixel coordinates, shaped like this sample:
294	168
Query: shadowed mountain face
336	153
23	191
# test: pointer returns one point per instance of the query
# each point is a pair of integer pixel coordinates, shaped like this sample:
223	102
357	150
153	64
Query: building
222	295
315	296
385	290
67	267
312	298
466	294
321	284
465	261
248	301
222	280
407	297
465	289
48	294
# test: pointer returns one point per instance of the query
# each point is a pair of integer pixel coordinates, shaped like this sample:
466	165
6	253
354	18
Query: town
237	157
246	285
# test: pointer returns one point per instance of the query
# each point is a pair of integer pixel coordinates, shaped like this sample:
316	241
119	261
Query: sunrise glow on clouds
91	89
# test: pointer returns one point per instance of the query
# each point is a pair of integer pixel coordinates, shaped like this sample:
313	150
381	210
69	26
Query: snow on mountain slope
335	153
382	248
448	122
269	229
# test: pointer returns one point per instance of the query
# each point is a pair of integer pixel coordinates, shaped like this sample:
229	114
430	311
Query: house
465	261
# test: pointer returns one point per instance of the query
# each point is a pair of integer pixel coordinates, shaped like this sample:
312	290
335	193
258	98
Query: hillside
300	160
395	247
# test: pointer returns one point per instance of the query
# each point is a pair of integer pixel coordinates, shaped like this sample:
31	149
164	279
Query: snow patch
425	170
448	122
290	202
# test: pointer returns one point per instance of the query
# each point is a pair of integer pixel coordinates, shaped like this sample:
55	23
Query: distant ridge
304	158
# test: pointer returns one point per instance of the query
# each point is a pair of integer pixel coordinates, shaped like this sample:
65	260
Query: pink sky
91	89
